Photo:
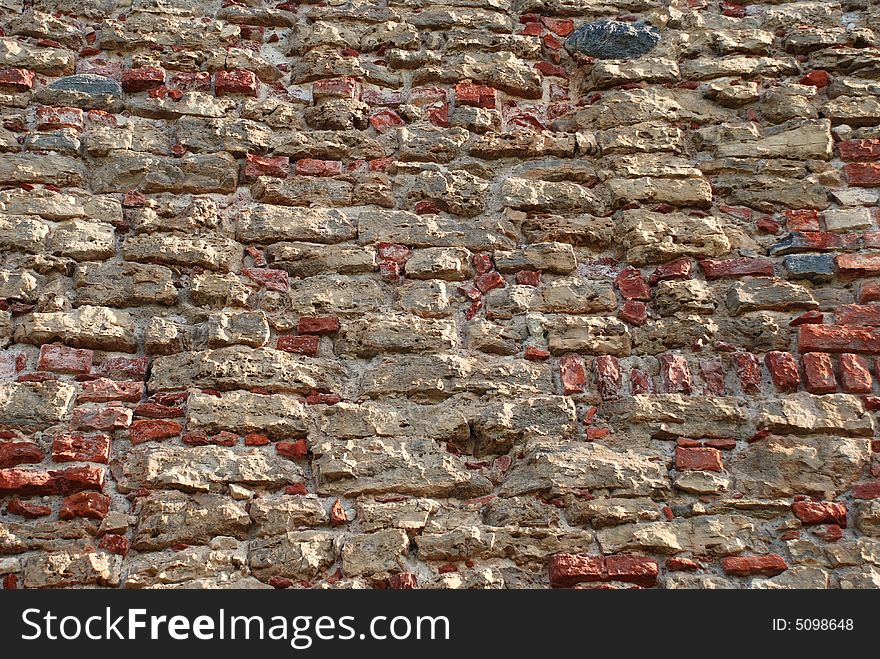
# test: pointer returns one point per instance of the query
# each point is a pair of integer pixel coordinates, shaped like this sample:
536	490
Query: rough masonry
451	294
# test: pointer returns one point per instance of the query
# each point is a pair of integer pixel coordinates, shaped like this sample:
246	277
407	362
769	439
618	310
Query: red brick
740	267
479	96
828	532
196	81
819	373
62	481
303	345
483	263
235	82
123	368
269	278
277	166
675	373
488	281
393	252
403	581
256	439
12	362
336	87
639	382
768	225
721	444
632	285
297	449
820	512
316	167
532	29
536	354
548	68
812	317
115	544
698	459
337	514
712	375
152	410
92	505
746	566
677	269
386	120
632	569
561	26
858	314
607	369
816	78
153	430
573	374
802	220
61	359
17	80
838	338
77	447
104	390
528	277
27	509
855	378
569	569
748	368
871	239
634	312
869	490
783	371
143	79
858	264
109	417
321	325
381	97
53	118
863	174
18	453
733	10
860	149
676	564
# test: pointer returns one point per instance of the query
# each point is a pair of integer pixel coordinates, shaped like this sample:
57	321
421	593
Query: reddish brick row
569	569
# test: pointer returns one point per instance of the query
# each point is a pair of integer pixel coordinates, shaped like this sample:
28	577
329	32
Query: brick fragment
819	373
783	370
747	566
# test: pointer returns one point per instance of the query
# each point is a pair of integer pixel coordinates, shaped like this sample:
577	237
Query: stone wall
490	293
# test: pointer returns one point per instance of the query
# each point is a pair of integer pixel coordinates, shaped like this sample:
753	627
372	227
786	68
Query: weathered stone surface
34	405
243	412
169	518
391	333
785	465
200	468
276	516
73	569
804	413
561	467
221	564
124	284
719	535
668	416
760	294
295	554
606	39
266	223
589	335
98	328
238	367
372	553
654	238
432	231
197	174
208	250
374	465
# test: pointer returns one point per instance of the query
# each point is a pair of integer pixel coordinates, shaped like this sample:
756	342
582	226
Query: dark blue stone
88	83
816	267
606	39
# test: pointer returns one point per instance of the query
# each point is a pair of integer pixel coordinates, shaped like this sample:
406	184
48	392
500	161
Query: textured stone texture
476	294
